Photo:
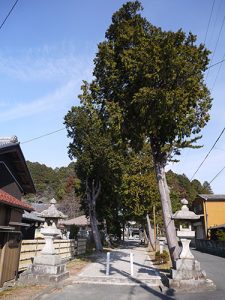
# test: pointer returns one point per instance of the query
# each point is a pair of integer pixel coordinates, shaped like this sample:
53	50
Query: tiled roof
212	197
32	216
79	221
4	141
10	146
7	199
218	226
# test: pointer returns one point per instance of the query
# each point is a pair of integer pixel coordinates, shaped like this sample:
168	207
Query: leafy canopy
156	79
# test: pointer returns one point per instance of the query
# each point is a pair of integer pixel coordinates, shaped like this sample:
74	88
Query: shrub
220	235
161	258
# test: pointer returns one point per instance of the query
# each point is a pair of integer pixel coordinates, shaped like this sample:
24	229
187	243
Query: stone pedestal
45	269
186	268
187	274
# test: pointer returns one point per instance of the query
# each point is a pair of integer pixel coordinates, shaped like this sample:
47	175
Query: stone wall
211	247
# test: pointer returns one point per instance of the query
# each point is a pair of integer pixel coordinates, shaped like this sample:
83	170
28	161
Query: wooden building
31	222
211	208
82	222
15	181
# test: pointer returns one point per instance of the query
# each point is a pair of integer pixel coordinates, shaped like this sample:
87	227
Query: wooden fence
67	249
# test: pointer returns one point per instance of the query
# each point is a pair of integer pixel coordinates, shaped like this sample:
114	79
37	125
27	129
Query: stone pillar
49	232
186	252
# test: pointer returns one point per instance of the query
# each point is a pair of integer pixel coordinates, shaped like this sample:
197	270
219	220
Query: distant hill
59	183
62	184
181	187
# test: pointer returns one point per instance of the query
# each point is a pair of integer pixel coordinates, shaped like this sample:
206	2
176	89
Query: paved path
120	268
125	287
93	284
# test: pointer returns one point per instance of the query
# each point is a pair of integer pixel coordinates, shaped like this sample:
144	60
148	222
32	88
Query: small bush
161	258
220	235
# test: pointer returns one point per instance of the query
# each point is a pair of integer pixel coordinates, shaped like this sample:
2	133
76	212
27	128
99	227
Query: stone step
152	281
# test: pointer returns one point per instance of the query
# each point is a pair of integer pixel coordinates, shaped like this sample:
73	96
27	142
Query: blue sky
47	49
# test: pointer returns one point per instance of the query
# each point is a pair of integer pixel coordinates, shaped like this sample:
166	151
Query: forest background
63	185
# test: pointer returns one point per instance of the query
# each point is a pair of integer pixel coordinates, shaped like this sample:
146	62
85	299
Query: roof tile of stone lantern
185	213
52	212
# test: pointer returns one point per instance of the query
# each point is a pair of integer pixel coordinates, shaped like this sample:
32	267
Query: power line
217	41
218	71
219	62
217	175
210	17
44	135
216	18
208	153
8	14
217	74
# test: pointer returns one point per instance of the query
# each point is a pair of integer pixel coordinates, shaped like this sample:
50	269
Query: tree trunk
92	195
146	237
95	231
107	237
150	234
167	212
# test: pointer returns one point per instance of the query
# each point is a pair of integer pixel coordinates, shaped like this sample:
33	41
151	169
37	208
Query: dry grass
22	292
76	265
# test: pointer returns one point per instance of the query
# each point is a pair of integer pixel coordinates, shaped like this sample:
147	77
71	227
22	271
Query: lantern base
188	276
45	269
187	268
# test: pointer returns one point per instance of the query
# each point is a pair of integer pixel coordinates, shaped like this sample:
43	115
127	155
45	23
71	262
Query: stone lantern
185	232
52	214
187	272
47	267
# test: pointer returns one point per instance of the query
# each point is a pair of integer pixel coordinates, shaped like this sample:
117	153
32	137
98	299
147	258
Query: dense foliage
181	187
59	183
138	190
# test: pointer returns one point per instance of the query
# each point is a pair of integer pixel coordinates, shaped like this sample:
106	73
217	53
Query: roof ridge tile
8	199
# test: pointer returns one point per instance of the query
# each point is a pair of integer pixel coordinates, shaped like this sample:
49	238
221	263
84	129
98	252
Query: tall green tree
97	163
155	79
